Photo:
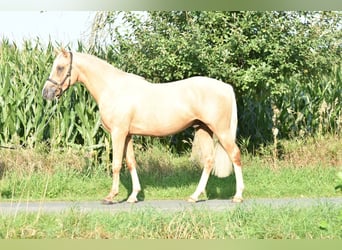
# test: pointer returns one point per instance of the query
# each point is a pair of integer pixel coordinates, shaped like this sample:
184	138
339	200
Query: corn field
304	108
307	108
26	118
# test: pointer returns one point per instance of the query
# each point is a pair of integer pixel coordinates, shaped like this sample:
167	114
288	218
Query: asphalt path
161	205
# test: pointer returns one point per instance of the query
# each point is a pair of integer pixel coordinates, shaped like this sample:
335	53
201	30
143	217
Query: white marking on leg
200	187
136	186
131	165
239	184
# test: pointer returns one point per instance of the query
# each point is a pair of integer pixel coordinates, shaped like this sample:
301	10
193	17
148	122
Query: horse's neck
95	74
99	77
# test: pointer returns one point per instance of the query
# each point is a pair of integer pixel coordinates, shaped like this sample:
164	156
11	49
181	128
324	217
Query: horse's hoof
192	200
237	200
107	202
132	200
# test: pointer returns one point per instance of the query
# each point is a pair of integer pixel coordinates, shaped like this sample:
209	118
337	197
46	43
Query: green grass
305	168
72	175
258	222
260	181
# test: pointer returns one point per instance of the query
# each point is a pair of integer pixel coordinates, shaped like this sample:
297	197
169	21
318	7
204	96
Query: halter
60	85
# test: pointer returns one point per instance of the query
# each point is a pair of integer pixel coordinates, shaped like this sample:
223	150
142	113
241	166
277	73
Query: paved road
162	205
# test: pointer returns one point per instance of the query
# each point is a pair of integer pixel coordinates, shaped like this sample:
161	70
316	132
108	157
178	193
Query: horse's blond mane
65	53
120	71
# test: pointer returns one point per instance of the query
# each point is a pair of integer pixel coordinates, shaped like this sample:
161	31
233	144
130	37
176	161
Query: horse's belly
160	123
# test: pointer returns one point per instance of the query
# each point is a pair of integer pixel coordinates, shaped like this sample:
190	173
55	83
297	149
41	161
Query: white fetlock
132	199
192	200
237	199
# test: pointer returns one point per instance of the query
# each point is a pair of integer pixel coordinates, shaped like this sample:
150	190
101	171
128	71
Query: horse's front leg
118	144
131	165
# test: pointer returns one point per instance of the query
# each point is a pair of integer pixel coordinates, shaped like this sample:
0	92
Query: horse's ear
56	51
59	51
64	52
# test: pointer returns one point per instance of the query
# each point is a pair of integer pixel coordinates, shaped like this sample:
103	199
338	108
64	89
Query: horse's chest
114	115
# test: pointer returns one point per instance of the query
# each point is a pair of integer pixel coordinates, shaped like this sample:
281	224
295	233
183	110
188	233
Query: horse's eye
60	69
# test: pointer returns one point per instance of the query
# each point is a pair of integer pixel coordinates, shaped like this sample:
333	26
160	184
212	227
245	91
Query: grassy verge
259	222
305	169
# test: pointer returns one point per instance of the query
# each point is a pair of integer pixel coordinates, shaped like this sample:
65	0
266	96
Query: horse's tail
223	166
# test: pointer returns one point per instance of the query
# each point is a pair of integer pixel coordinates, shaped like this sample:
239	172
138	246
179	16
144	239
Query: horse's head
61	76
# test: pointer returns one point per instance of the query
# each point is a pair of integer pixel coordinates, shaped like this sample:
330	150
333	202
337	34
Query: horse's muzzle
51	92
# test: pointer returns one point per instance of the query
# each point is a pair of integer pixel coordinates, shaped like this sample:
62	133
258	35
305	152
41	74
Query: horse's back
201	81
208	90
196	96
200	85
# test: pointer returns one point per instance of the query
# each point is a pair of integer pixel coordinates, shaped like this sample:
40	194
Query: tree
257	52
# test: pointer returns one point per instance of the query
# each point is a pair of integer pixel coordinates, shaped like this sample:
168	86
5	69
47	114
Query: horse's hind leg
239	183
205	143
234	153
131	165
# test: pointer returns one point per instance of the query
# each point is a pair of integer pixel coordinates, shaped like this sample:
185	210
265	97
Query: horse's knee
208	164
116	169
131	164
234	152
236	156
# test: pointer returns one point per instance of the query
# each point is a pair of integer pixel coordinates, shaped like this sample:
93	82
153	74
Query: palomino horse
129	105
